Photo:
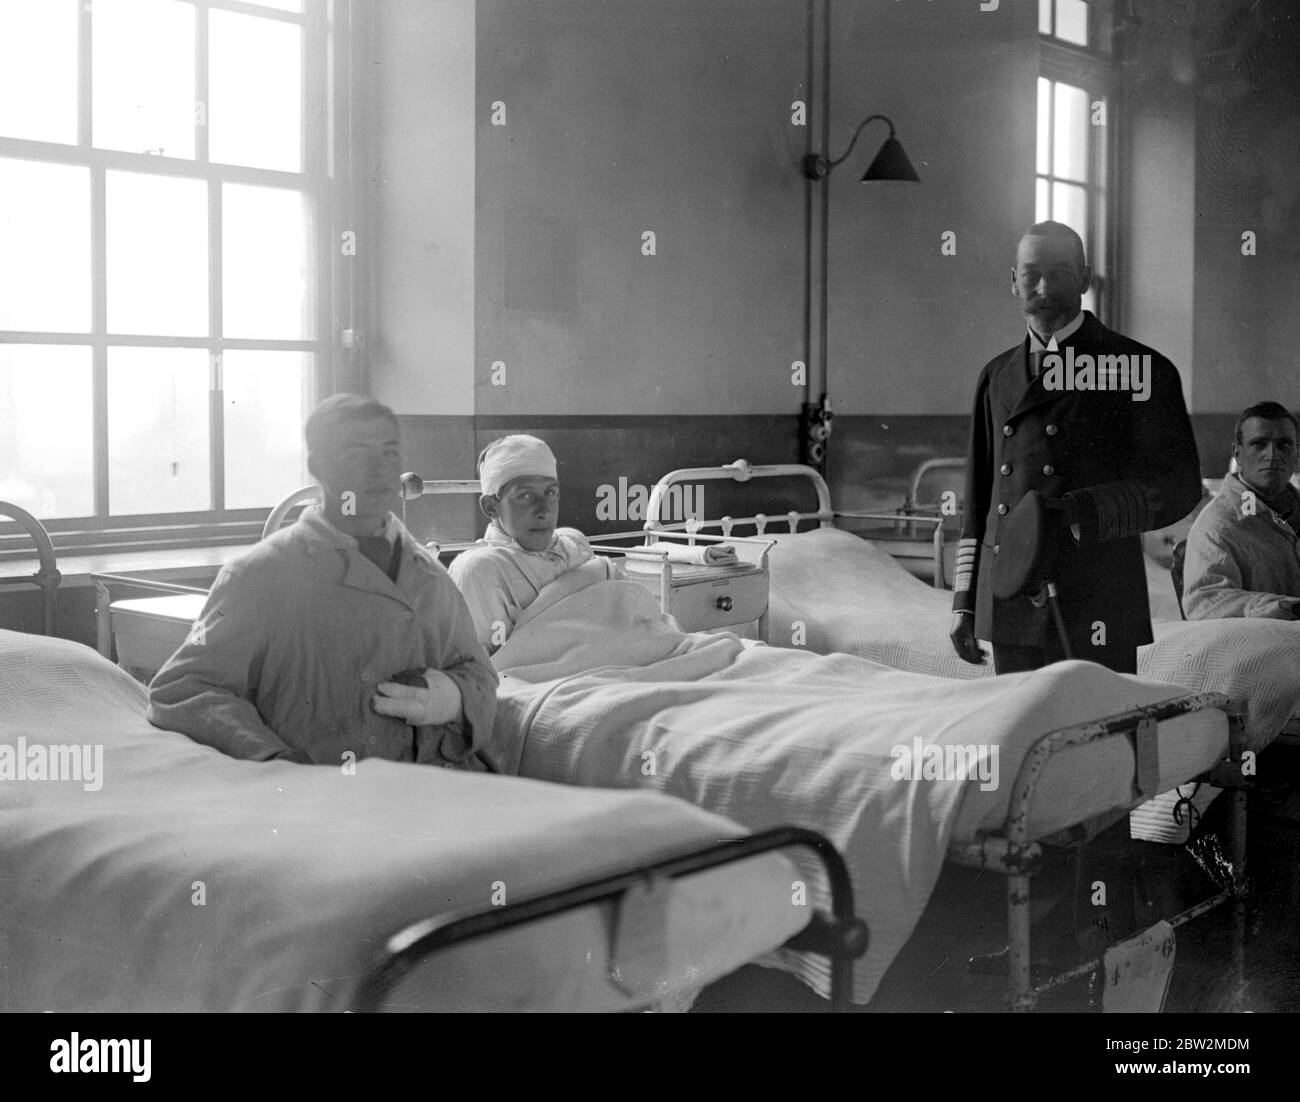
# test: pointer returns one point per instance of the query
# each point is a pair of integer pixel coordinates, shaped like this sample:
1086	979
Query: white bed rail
743	471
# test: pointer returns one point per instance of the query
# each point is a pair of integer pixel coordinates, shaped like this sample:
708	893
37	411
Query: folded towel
702	554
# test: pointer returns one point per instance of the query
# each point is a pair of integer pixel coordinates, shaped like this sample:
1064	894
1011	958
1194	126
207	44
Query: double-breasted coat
1130	466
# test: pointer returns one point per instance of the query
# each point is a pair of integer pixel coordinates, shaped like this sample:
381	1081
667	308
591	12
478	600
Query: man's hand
1062	511
420	707
963	639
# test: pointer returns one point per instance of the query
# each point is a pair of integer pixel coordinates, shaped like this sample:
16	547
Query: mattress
848	596
164	876
601	690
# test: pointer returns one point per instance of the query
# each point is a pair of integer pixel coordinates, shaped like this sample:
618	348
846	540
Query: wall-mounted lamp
891	165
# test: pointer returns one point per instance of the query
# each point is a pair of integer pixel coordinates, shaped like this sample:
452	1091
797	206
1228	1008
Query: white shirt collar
1066	331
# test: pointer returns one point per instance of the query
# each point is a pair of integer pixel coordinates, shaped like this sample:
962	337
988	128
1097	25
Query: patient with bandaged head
522	551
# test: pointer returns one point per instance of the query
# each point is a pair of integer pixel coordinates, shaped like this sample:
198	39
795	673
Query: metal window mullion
317	115
26	149
98	331
1051	137
85	76
216	350
201	89
256	10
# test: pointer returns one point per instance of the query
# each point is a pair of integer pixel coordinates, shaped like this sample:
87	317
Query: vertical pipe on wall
823	322
809	217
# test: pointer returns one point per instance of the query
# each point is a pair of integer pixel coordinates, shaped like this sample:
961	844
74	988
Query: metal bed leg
103	620
1020	990
1239	892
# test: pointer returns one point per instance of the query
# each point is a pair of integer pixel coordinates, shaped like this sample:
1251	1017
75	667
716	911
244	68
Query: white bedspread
602	690
852	597
188	880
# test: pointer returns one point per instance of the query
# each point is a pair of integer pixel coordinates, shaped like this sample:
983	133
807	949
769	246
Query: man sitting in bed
522	550
304	638
1243	552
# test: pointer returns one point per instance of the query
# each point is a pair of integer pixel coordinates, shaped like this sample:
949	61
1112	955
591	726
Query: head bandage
514	457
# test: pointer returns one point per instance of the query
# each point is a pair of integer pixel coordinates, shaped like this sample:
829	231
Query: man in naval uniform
1096	424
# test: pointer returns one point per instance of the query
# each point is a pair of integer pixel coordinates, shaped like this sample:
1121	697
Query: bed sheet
176	878
603	690
848	595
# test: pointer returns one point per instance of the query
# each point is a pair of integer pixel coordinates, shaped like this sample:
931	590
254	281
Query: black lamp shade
891	166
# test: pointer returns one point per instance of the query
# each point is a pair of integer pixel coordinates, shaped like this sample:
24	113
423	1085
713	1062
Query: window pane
267	261
1071	132
1044	16
157	430
38	69
1072	21
1044	126
45	256
255	87
282	5
266	403
1042	211
46	448
157	255
143	58
1070	205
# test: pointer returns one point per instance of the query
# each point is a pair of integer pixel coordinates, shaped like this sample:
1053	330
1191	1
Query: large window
1076	134
164	274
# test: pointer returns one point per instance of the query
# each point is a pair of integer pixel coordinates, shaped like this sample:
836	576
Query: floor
966	915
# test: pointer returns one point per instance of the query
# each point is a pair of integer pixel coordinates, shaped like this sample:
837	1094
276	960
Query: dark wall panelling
871	459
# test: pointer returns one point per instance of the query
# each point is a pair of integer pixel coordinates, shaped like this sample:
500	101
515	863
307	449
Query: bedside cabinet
148	631
704	598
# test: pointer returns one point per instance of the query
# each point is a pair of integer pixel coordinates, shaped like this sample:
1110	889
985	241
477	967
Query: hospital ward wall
528	149
599	124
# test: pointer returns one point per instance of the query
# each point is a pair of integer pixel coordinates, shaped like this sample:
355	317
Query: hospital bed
833	592
746	734
1069	769
148	872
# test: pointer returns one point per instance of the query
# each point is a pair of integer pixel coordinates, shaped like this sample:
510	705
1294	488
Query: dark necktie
380	552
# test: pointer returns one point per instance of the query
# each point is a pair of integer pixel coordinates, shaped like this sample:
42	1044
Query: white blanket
600	689
841	593
185	880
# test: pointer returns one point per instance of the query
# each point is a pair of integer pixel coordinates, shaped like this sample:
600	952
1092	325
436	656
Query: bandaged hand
420	707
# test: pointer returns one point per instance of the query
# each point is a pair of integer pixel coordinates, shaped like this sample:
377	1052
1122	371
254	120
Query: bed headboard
740	470
47	576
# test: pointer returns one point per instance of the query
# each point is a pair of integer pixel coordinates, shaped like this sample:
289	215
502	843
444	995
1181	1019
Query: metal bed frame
841	935
1012	851
743	471
47	576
